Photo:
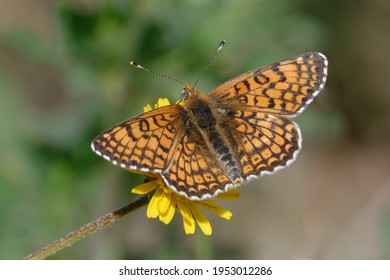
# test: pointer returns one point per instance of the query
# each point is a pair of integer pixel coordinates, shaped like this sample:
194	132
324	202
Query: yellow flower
165	201
161	102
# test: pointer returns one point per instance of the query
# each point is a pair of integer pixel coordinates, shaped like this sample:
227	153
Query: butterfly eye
184	94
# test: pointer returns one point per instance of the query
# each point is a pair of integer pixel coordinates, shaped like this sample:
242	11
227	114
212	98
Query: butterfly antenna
136	65
221	45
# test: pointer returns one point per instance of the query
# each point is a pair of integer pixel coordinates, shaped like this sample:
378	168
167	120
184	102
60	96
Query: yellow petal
201	219
168	215
145	188
162	102
152	211
220	211
166	188
164	202
147	108
231	194
189	228
188	220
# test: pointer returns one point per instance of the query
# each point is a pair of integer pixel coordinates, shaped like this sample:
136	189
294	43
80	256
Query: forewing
195	171
285	87
146	142
263	142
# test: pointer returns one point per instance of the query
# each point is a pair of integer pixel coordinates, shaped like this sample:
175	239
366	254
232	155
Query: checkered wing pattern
284	88
146	142
263	143
195	171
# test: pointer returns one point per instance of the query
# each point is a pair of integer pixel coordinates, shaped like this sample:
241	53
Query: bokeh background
64	78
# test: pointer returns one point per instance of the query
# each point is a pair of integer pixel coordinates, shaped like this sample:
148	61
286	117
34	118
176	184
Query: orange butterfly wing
263	143
146	142
284	88
195	171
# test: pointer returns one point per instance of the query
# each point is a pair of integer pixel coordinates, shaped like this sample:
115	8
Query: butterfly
241	130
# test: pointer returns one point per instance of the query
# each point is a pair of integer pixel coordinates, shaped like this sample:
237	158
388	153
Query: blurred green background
65	78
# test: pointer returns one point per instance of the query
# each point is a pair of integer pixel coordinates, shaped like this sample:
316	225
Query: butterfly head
187	91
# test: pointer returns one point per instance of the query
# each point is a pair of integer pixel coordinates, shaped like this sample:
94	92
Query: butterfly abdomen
225	155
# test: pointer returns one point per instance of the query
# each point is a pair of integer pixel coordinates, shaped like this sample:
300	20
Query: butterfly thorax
200	110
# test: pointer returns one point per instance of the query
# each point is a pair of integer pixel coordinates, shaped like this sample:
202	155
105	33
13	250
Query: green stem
88	229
